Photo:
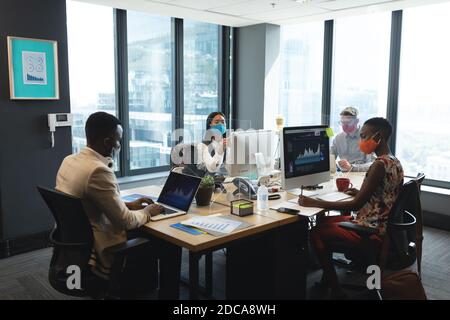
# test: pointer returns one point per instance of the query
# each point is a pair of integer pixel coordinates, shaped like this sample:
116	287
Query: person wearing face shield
89	175
372	203
345	144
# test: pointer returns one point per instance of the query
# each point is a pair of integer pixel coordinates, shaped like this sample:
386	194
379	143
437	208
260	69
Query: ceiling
238	13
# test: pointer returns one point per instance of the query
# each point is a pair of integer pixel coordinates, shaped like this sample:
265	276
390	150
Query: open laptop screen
179	190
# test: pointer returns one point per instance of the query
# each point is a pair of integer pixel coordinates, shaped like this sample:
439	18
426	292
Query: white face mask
115	153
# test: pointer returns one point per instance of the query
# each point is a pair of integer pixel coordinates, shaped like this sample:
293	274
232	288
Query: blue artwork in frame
33	68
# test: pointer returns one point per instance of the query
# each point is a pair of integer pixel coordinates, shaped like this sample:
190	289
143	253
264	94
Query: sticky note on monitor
330	132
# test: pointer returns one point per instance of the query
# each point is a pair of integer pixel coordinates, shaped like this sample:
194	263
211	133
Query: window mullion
122	86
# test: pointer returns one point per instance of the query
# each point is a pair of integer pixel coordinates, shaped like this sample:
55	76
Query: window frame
121	81
394	87
393	81
227	83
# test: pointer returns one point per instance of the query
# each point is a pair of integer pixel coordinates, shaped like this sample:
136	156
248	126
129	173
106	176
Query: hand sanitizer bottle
262	202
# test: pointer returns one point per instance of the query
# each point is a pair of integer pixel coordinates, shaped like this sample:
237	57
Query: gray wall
257	47
26	159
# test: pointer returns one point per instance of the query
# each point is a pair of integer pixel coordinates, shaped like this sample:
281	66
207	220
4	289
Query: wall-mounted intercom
58	120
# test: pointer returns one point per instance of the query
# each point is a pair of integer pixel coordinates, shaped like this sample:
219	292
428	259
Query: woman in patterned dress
380	189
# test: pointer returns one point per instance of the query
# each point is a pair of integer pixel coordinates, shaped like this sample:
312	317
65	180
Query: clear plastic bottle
262	202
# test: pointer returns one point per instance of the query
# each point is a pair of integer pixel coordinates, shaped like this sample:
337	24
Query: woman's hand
225	143
308	202
351	192
139	204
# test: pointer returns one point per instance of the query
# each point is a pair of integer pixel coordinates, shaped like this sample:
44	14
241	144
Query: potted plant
205	191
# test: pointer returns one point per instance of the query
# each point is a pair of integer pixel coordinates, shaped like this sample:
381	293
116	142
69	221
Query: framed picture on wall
33	69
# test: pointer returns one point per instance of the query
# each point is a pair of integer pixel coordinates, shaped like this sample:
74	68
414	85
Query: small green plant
207	181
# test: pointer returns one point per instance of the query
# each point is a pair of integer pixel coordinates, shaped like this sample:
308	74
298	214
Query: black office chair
72	241
402	244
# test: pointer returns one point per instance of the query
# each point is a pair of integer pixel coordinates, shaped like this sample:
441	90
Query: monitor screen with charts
179	190
305	156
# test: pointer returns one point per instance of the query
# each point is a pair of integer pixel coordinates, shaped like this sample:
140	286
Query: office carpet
25	276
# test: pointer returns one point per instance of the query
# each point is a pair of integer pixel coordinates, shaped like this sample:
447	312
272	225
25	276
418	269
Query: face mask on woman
220	127
368	146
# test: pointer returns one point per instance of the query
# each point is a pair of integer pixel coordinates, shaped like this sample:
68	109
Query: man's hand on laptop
139	204
154	209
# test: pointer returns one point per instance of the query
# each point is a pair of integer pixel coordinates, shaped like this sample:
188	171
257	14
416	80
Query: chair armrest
361	230
126	247
65	244
404	225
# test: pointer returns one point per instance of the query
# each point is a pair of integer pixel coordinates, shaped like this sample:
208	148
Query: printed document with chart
213	223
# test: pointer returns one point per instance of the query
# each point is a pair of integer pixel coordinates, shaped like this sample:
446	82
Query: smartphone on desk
288	210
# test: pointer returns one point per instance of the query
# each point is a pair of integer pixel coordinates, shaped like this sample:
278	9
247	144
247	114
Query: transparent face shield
348	121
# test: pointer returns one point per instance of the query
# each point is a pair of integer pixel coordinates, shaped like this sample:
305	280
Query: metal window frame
233	70
224	73
394	85
121	84
327	79
394	74
436	183
178	72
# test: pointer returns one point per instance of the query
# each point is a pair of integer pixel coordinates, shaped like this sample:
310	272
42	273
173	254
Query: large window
423	142
90	31
150	89
201	55
301	58
152	76
361	65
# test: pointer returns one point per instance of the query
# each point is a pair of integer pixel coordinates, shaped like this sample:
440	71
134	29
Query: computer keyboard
168	211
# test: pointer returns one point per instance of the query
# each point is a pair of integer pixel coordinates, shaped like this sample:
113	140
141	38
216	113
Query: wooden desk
280	228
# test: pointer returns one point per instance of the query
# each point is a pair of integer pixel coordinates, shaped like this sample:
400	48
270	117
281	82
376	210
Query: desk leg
169	271
193	275
208	273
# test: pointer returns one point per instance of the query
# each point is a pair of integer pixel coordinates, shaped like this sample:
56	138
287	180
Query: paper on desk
333	196
213	223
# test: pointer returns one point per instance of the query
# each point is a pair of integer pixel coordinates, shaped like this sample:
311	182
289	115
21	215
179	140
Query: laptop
177	195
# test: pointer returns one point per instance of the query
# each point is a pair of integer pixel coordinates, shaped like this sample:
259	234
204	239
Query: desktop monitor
243	145
305	156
